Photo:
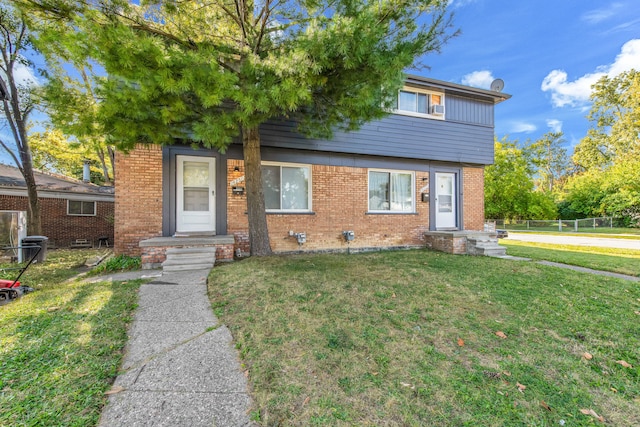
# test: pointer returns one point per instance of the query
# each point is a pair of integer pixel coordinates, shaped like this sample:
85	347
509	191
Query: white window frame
95	208
309	186
389	211
427	92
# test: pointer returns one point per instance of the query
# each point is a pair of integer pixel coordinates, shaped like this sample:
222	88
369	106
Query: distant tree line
539	180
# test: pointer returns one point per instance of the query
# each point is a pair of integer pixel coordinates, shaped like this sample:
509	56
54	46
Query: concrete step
197	250
493	251
188	257
198	260
186	267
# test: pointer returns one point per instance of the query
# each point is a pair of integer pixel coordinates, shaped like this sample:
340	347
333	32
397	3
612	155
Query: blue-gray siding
465	110
395	136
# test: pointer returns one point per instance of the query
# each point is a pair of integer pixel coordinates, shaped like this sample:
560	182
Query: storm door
195	198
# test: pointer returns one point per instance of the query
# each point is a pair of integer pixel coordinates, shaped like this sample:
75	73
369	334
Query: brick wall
138	206
473	205
62	229
340	198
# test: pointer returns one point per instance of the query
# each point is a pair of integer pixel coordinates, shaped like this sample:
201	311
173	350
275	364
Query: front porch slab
457	242
154	250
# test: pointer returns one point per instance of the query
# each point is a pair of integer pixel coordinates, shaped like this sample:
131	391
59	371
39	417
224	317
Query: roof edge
475	92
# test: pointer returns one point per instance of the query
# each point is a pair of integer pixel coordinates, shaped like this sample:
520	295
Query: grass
409	339
61	264
613	233
117	264
624	261
61	345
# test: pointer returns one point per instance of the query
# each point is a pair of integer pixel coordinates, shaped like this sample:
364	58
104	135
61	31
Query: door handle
213	192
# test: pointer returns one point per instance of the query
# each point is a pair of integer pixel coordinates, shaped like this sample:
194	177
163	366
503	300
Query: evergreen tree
208	72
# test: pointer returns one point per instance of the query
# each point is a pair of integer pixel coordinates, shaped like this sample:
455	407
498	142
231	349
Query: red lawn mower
11	289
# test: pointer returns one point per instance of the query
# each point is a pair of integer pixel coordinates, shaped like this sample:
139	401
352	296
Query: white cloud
522	127
460	3
555	125
481	79
598	15
24	76
575	93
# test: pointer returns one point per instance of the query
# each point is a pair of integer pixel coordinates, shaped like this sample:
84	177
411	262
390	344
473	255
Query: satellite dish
497	85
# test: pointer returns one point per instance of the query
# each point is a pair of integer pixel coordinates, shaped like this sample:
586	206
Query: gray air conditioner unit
437	110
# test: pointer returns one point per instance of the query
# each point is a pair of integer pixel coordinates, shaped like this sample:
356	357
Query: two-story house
419	170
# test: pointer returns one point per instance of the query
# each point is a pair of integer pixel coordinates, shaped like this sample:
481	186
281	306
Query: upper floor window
78	207
287	187
419	102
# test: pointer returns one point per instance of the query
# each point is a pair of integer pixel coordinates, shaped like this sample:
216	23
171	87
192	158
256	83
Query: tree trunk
258	229
105	170
112	157
34	224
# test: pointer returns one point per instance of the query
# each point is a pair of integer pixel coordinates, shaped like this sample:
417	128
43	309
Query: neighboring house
70	209
392	183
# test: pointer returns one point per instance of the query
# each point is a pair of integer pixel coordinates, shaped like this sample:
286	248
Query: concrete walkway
180	367
590	271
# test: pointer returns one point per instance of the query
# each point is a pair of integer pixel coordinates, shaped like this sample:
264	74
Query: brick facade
473	204
62	229
339	203
138	206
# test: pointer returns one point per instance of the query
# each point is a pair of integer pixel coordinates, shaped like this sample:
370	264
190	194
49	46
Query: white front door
195	199
446	210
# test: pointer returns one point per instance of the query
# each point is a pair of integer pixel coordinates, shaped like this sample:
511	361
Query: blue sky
547	52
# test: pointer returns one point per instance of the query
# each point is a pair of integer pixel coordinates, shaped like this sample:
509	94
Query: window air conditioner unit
437	110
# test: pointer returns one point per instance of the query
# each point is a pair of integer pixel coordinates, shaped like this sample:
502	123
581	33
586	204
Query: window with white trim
287	187
391	191
81	208
419	102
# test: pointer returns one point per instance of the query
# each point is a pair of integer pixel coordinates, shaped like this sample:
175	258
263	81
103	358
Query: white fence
586	224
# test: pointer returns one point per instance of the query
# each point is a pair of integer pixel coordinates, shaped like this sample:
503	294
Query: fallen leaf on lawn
52	309
407	385
623	363
115	390
521	387
491	374
507	373
501	334
593	414
460	342
587	356
306	401
637	312
614	390
545	406
246	373
393	295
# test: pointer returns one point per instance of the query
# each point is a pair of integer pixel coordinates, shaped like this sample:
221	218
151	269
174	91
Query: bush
117	264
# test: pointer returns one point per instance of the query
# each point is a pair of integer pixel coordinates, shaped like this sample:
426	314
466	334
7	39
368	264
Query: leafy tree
72	106
615	117
18	102
52	151
210	72
509	186
551	160
609	155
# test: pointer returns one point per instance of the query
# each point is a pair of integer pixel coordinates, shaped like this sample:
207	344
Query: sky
547	52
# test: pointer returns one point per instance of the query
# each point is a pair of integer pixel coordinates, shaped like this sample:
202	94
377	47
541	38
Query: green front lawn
61	345
411	338
623	261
